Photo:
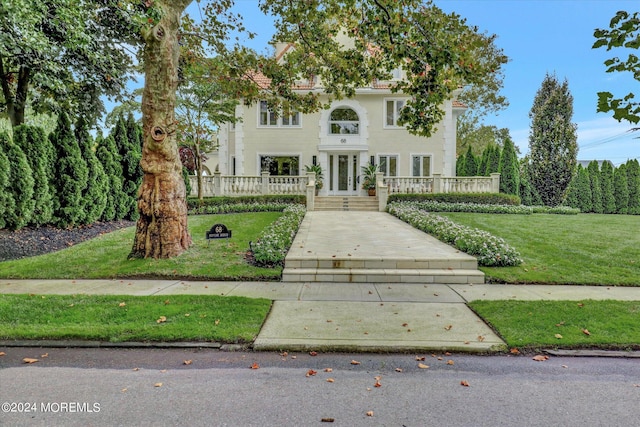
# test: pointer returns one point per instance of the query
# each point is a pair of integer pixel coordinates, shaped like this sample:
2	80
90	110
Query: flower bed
490	250
274	242
434	206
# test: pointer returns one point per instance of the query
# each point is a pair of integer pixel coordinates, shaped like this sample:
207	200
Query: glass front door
343	174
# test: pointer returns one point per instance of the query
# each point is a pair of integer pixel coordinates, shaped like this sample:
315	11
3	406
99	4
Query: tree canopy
623	33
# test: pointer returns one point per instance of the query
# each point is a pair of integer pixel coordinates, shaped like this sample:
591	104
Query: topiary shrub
19	186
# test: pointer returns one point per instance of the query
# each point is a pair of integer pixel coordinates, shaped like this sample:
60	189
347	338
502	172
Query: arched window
344	121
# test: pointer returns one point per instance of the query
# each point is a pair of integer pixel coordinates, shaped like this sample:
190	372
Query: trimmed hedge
195	205
478	198
433	206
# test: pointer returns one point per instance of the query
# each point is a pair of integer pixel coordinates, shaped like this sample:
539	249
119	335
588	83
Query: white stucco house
350	134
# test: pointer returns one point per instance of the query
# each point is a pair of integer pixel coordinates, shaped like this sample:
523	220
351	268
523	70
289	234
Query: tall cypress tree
633	180
606	181
20	186
509	169
484	160
116	198
71	175
528	195
583	186
596	188
7	203
470	163
460	168
621	189
37	148
94	196
553	142
493	165
130	155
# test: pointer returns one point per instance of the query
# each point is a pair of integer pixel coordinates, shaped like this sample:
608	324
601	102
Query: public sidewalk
350	316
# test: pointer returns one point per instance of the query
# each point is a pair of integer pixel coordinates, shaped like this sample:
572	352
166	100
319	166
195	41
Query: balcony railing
440	184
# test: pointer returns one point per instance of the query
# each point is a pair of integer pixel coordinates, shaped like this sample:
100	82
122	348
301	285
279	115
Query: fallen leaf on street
2	353
423	366
419	358
187	362
44	355
355	362
514	351
398	369
255	366
157	385
540	358
464	383
313	353
29	360
369	413
330	380
135	369
377	384
311	373
327	420
450	362
328	370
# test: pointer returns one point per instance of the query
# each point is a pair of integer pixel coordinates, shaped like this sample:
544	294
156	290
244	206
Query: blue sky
538	36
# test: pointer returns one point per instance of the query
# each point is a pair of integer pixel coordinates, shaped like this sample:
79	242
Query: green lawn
564	324
106	256
130	318
584	249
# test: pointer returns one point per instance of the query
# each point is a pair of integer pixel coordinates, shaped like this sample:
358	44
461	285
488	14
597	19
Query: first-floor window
388	165
421	165
280	165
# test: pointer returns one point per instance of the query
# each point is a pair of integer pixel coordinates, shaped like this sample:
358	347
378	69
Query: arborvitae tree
583	187
134	134
621	189
116	198
470	163
528	194
484	160
39	152
20	186
460	168
7	203
633	180
71	176
494	160
130	155
571	199
509	169
596	189
94	196
606	182
553	142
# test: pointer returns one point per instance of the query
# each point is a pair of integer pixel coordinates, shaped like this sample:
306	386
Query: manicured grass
585	249
565	324
106	256
129	318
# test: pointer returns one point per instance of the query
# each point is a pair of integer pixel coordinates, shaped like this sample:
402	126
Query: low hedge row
238	208
478	198
273	244
434	206
194	203
491	251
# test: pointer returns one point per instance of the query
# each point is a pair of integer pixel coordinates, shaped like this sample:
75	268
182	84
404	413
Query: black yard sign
219	231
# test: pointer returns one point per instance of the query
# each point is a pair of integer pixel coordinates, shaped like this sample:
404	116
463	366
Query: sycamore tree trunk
161	231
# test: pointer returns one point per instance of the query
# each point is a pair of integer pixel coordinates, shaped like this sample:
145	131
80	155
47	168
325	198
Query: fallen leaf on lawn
187	314
328	370
166	302
586	332
70	305
311	373
423	366
355	362
29	360
216	322
369	413
580	304
540	358
44	355
162	319
560	324
187	362
330	380
558	336
450	362
398	369
255	366
122	304
448	327
464	383
157	385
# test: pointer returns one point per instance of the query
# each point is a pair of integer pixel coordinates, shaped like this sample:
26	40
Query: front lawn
106	256
564	324
130	318
584	249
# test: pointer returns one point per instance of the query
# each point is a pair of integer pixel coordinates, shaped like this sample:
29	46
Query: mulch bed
30	241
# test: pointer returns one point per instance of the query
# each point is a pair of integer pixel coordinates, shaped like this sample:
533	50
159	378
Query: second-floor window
392	109
268	117
344	121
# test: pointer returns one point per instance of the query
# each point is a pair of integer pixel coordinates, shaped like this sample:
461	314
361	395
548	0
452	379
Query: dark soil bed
37	241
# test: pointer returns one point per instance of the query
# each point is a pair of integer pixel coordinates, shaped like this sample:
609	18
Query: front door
343	174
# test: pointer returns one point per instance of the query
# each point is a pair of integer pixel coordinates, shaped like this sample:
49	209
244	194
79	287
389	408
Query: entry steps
445	271
352	203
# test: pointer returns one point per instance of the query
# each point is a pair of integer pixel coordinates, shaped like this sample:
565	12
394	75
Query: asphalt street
180	387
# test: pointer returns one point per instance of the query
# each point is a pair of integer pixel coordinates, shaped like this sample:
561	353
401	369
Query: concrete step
346	203
386	275
466	263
